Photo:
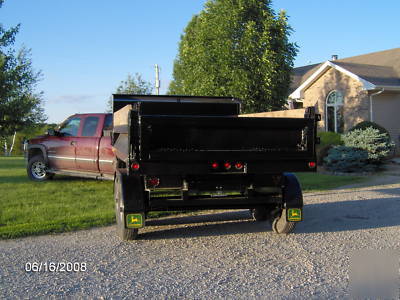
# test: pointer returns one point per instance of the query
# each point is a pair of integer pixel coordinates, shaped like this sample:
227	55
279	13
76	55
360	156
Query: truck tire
281	226
260	214
126	234
37	169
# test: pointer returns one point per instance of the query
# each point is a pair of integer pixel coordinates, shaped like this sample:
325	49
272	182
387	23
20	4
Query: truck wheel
260	214
37	169
281	225
126	234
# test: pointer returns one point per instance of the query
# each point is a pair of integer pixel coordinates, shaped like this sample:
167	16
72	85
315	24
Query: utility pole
157	80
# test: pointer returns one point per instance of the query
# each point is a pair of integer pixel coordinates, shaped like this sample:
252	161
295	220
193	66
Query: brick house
349	90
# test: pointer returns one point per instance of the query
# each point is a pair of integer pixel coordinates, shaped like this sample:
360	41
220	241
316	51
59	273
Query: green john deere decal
134	221
294	214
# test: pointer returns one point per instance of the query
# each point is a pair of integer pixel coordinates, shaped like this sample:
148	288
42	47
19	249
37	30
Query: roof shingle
380	68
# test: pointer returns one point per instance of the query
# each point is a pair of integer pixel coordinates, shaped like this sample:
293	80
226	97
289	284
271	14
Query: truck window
108	122
90	126
71	127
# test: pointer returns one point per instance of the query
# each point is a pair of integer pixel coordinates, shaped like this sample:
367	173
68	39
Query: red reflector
312	164
239	166
227	165
135	166
153	182
215	165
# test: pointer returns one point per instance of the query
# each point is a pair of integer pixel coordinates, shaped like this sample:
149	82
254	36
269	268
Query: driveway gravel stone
220	254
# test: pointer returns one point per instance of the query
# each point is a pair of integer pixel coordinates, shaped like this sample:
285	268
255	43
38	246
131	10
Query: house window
334	112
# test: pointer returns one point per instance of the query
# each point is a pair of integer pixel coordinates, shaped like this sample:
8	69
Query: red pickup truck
80	146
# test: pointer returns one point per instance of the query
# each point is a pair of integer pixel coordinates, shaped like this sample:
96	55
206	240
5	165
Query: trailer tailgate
197	138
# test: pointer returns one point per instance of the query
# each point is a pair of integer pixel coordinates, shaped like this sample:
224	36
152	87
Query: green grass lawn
62	204
311	182
66	203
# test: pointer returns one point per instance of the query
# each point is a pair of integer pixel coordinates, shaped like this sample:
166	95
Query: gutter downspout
371	112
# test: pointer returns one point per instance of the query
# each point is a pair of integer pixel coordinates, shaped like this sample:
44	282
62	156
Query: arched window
334	112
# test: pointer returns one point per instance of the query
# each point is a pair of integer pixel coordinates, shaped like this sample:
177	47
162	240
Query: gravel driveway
215	254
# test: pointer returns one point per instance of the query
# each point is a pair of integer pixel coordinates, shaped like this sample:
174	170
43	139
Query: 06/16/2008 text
55	267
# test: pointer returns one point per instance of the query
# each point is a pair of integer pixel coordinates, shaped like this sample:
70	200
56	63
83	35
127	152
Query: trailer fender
291	194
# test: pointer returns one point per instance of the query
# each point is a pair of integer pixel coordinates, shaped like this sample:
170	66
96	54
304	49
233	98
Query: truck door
87	146
106	156
61	149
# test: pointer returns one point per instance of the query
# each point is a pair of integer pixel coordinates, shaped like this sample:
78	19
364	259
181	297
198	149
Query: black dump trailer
191	153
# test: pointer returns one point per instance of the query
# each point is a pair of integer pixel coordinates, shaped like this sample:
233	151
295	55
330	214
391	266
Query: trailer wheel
281	226
126	234
260	214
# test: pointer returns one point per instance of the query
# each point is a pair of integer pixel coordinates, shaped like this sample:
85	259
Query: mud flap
292	198
132	193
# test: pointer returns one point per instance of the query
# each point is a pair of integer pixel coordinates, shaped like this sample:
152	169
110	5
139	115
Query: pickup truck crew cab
189	153
81	146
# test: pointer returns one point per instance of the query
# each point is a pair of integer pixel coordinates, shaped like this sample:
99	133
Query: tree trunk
5	147
12	145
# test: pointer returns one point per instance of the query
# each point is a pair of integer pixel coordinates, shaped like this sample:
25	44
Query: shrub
377	144
365	124
347	159
330	138
328	141
322	152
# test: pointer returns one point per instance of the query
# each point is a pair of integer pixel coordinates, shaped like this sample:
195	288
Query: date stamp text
55	267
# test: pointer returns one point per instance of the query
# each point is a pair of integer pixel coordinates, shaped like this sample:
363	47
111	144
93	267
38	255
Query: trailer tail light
214	165
312	164
227	165
153	182
238	166
135	166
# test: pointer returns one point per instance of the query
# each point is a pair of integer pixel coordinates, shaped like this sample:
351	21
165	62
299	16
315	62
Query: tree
132	85
236	48
20	105
23	135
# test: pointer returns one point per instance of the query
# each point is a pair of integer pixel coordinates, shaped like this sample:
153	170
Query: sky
84	49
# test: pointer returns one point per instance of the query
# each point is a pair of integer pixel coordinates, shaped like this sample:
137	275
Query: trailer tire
281	226
260	214
126	234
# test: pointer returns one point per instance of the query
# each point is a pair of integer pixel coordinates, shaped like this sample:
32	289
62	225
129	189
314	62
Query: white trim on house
298	93
388	87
